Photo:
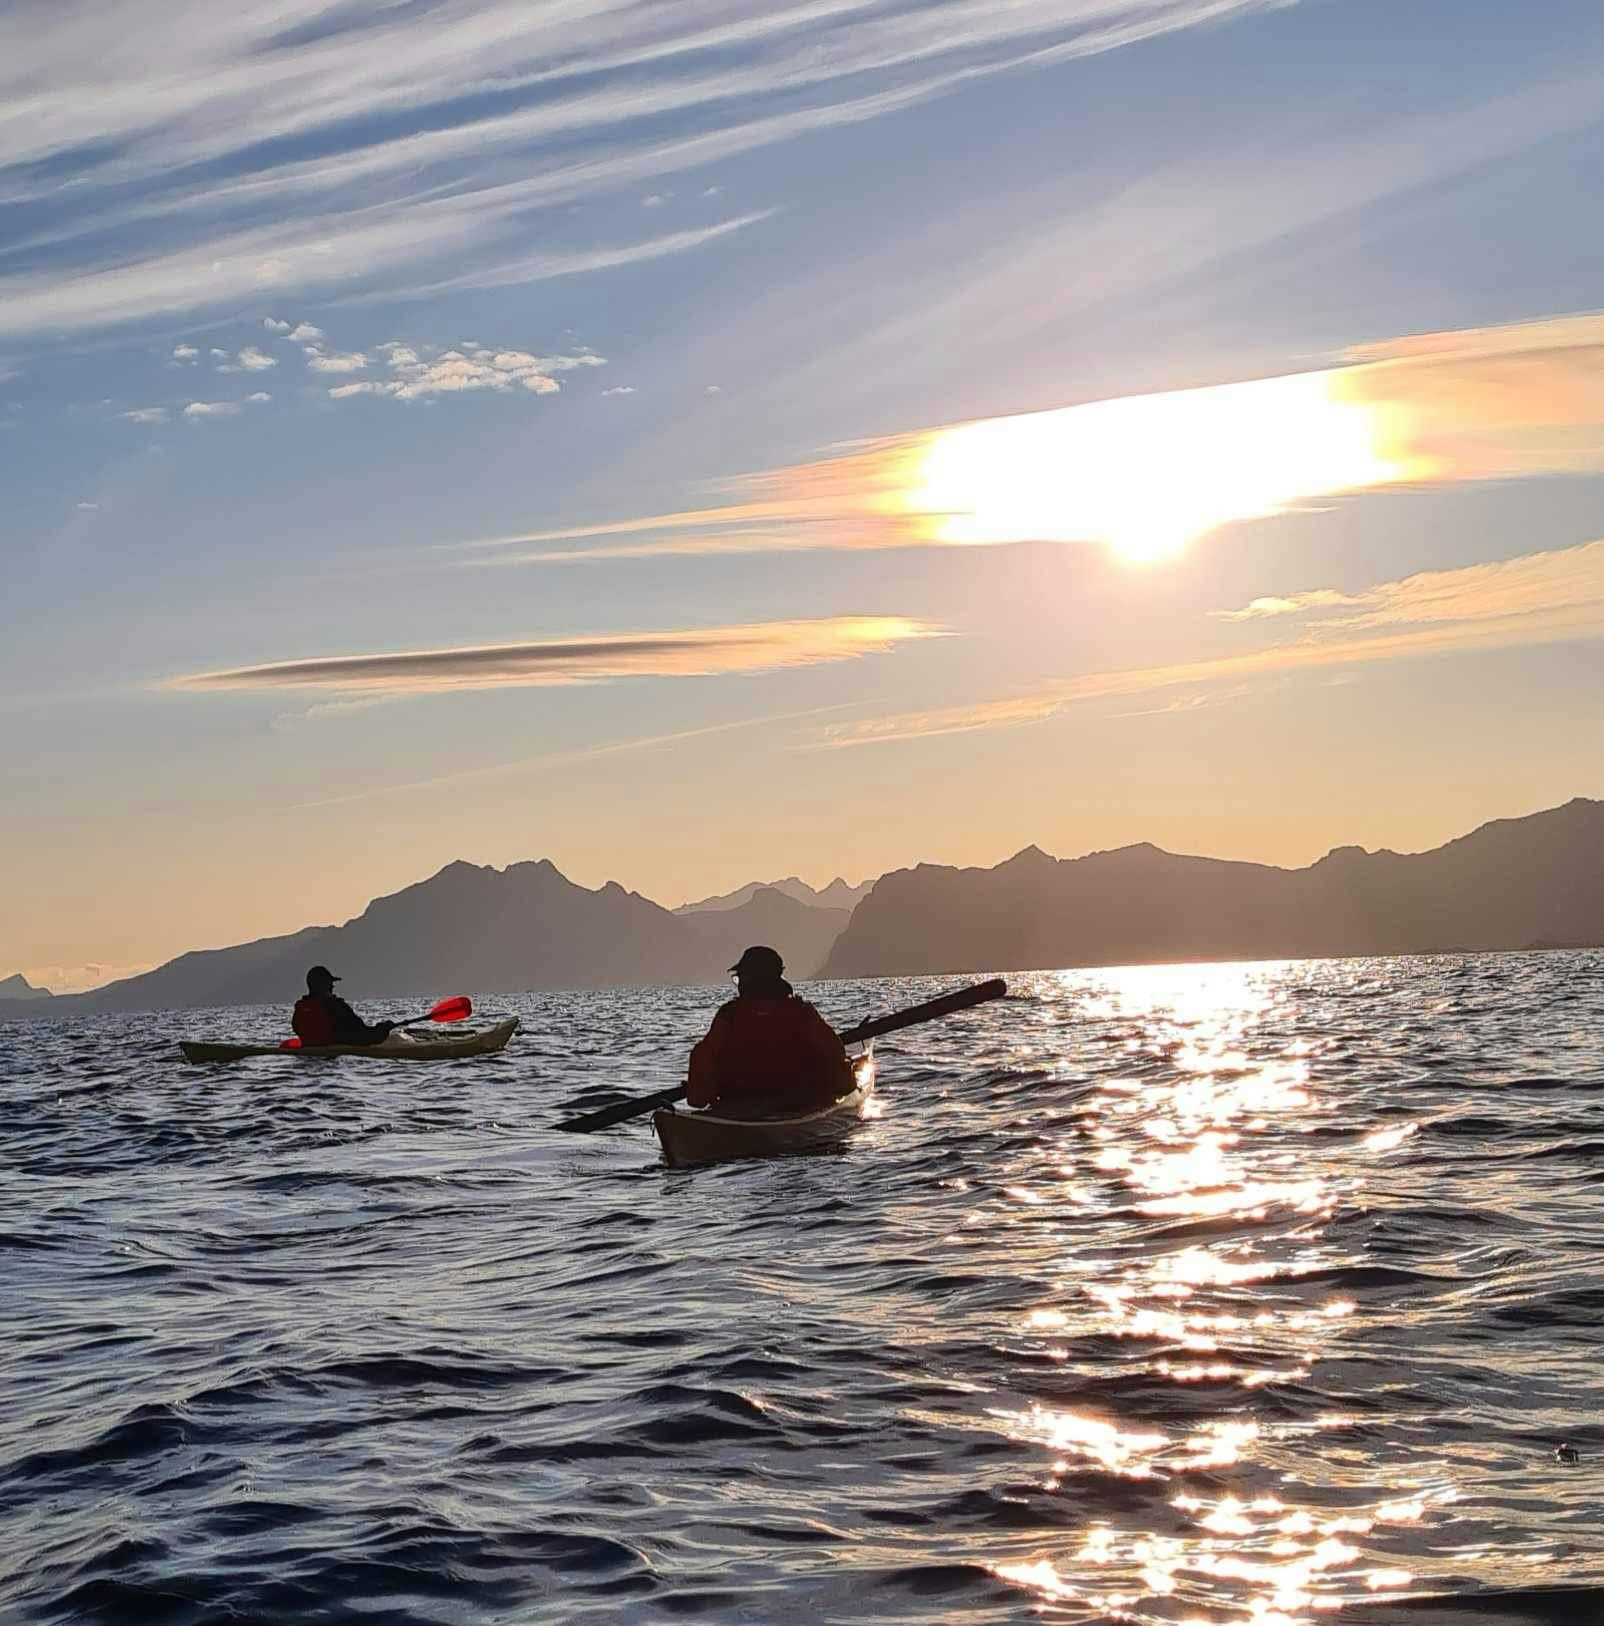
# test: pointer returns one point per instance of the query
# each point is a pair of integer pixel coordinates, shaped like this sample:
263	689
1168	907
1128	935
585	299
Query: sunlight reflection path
1215	1296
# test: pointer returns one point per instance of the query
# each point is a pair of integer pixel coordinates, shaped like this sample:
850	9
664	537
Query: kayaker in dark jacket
322	1017
768	1051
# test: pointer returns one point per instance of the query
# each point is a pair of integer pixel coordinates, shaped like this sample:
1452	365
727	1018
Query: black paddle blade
620	1111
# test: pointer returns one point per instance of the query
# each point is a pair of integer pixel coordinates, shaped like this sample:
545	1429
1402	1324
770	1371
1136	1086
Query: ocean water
1221	1294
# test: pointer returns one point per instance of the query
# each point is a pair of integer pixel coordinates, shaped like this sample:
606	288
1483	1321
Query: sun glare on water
1148	474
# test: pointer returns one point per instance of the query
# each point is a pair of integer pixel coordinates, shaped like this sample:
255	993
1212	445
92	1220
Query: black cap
759	962
320	976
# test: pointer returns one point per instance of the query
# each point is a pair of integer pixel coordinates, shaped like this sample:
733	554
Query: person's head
760	973
320	980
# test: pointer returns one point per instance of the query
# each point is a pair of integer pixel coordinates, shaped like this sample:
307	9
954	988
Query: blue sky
300	302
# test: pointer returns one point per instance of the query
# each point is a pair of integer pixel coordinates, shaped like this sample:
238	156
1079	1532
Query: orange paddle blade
452	1010
290	1044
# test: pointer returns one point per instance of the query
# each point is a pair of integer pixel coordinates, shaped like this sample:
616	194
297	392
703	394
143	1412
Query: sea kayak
713	1137
400	1046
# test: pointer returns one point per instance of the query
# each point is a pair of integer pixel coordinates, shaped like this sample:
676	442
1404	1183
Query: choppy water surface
1226	1293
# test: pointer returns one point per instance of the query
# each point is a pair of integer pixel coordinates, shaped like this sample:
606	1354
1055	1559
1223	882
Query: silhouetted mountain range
1512	884
837	895
18	987
483	931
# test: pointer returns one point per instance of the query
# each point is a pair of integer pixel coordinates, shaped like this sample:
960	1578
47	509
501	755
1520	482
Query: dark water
1219	1294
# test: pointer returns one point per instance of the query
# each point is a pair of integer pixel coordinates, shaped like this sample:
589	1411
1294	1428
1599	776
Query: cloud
184	354
322	710
545	759
1567	583
1147	474
621	389
338	252
87	507
182	124
274	325
543	267
1533	599
349	361
80	978
702	652
211	409
655	200
419	372
305	333
258	398
1263	608
152	414
253	360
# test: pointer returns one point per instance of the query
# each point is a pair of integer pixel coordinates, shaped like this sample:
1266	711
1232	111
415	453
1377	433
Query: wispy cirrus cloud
182	123
363	252
1537	598
1149	473
570	757
698	652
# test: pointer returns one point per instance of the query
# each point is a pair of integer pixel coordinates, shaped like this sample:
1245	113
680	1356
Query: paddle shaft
961	999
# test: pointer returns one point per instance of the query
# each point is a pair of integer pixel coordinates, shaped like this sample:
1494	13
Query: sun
1148	474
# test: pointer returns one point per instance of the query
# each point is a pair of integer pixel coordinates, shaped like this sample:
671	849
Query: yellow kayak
400	1046
714	1137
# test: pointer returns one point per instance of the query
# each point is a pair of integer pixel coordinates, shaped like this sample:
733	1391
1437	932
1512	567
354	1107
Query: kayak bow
715	1137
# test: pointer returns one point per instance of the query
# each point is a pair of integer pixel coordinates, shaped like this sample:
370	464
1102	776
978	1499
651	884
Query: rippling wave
1221	1294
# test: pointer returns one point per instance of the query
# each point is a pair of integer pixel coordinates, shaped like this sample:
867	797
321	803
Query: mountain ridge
839	894
18	987
1513	883
1508	884
488	930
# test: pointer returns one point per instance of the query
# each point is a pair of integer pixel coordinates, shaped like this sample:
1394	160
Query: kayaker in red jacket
322	1017
767	1051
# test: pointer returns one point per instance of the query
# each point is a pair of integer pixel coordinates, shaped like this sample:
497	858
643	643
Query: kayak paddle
456	1009
961	999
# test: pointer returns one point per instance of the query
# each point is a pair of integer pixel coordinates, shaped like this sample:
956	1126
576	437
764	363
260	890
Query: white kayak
400	1046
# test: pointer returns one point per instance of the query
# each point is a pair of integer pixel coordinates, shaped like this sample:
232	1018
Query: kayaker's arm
702	1088
825	1043
349	1028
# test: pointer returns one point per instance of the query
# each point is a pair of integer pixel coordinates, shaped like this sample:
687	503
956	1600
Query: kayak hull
398	1047
712	1137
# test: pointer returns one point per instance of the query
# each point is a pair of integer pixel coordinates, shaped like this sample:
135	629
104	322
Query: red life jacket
776	1055
312	1022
